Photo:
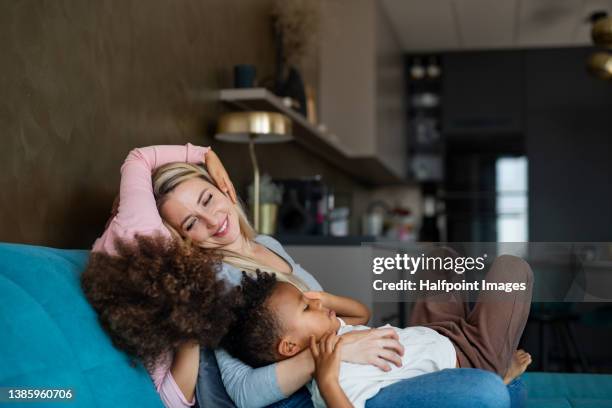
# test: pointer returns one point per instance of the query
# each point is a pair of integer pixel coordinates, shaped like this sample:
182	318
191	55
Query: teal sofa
50	338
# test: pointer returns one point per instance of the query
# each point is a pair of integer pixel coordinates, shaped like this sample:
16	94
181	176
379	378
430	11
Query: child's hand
318	295
326	355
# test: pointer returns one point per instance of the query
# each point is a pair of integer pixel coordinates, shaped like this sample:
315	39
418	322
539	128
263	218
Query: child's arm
185	368
350	310
326	356
173	384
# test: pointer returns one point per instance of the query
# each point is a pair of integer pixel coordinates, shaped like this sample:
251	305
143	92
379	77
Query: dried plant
298	22
269	192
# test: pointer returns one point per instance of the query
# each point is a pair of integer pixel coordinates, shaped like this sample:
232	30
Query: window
511	203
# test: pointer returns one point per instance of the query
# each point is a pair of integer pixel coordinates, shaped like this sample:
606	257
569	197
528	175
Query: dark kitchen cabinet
568	119
482	94
557	81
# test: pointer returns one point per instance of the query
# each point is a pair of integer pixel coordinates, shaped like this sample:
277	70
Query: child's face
300	317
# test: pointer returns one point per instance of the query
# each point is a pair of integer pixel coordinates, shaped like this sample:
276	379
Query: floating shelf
368	170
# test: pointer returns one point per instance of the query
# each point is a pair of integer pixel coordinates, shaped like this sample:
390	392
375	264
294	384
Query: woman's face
198	210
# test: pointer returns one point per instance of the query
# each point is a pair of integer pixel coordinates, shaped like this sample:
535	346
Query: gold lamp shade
256	126
600	64
601	32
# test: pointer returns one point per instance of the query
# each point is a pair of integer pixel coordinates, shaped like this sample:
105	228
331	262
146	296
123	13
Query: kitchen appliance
305	207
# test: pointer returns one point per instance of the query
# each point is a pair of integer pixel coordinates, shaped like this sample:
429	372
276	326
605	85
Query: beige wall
85	81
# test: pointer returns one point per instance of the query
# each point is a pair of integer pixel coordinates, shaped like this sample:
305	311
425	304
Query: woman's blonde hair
166	178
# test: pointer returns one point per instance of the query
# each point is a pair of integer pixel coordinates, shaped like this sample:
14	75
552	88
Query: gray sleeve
248	387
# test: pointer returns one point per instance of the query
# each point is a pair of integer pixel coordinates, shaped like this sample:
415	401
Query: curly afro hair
253	336
156	294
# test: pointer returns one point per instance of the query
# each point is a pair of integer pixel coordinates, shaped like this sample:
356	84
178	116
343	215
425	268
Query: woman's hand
326	356
377	347
219	175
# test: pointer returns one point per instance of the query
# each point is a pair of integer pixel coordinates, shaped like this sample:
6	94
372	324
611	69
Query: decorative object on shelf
417	70
254	127
311	104
601	31
244	76
270	196
425	100
293	87
427	167
429	231
433	68
373	221
401	224
339	222
600	62
296	28
600	65
426	130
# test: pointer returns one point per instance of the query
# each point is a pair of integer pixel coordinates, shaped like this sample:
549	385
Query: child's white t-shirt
425	351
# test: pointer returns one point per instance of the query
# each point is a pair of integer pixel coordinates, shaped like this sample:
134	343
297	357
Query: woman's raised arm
137	208
137	212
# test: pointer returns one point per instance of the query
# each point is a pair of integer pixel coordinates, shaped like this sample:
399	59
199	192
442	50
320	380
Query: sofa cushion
568	390
51	337
548	403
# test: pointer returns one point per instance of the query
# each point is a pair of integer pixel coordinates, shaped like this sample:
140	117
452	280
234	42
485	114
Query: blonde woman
166	191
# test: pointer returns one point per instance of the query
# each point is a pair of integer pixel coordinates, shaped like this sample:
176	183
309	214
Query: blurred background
448	120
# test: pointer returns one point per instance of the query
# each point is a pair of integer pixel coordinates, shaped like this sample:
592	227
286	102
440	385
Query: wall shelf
368	170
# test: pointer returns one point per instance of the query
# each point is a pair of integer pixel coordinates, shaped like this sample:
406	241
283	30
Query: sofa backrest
50	336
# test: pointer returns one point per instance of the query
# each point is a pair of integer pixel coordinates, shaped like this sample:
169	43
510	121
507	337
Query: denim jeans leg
518	393
299	399
451	388
210	391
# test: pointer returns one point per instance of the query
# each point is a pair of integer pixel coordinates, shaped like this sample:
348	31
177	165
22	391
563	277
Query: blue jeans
454	388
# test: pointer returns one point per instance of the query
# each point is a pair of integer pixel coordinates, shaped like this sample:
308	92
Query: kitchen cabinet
568	129
482	93
361	84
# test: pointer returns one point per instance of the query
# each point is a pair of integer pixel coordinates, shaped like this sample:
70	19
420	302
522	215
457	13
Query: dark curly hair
253	336
156	294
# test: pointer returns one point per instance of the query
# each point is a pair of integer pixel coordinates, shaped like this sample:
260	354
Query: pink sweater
138	214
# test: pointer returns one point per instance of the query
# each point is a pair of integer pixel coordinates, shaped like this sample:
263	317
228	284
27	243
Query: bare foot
520	360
